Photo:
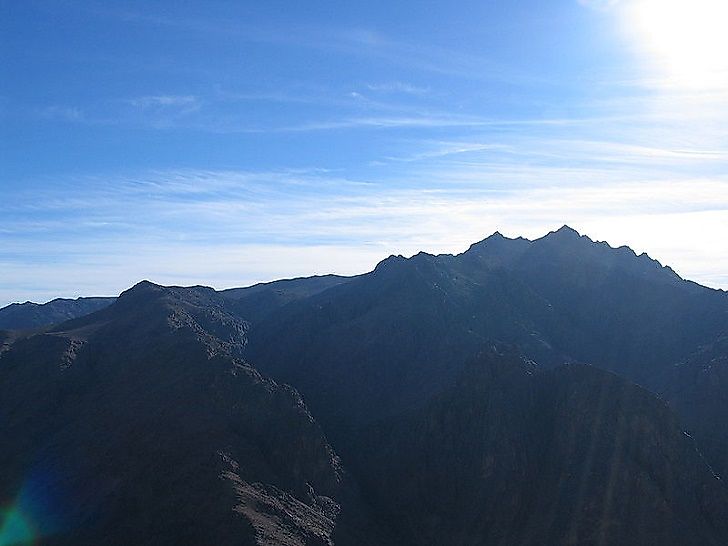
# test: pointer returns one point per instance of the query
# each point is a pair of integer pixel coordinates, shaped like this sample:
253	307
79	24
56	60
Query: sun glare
689	38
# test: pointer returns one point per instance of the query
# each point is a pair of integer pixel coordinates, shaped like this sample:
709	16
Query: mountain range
33	315
553	391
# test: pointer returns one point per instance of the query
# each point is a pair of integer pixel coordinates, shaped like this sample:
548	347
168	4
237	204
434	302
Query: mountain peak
566	230
143	288
495	238
565	235
389	262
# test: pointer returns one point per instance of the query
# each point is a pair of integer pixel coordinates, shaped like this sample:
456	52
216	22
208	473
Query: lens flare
16	529
40	509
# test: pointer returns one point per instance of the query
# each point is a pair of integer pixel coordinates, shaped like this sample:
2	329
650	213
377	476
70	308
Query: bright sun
688	37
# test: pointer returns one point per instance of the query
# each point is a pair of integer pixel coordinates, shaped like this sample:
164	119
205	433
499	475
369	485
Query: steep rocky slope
574	455
145	426
697	388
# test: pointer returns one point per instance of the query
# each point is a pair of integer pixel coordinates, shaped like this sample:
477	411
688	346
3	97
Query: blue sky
225	143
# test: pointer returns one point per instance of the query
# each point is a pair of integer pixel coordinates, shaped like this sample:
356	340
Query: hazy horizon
354	273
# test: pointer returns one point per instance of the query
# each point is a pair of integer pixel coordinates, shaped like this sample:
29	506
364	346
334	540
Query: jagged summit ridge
495	251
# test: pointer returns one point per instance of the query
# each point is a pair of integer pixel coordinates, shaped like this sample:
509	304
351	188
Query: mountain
554	391
21	316
573	455
697	388
388	340
253	301
143	425
258	301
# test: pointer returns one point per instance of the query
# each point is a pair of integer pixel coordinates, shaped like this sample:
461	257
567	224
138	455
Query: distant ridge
21	316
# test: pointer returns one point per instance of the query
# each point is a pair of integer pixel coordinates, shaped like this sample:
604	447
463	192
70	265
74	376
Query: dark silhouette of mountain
388	340
258	301
148	427
253	301
489	397
574	455
21	316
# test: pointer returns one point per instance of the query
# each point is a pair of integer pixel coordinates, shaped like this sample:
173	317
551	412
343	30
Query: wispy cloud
383	123
163	101
62	113
442	149
233	227
398	87
348	42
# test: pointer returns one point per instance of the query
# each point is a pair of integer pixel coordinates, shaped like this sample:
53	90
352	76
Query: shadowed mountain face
444	404
388	340
258	301
22	316
252	302
574	455
148	428
697	389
